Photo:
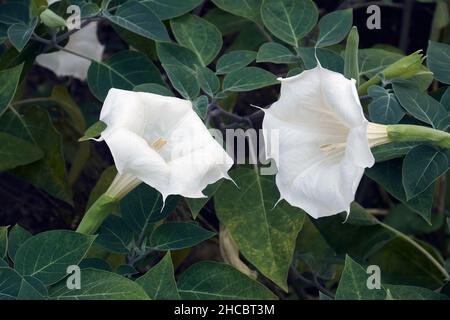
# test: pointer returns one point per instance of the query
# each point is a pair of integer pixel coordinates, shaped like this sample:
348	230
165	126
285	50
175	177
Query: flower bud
51	19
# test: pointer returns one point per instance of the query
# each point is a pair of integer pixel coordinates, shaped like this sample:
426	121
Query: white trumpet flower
161	141
325	141
85	43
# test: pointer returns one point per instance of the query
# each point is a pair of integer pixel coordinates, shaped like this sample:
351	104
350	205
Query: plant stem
96	214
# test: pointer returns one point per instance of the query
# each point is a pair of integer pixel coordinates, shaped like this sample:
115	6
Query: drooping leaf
248	78
159	282
10	80
209	280
234	60
123	70
139	18
421	167
438	60
264	234
17	236
16	152
168	9
289	20
334	27
275	53
249	9
47	255
20	33
100	285
384	107
199	35
178	235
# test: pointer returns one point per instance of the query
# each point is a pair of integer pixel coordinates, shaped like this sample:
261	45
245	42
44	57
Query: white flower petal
84	42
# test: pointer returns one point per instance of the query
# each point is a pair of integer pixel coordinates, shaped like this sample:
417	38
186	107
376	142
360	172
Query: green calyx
408	133
96	214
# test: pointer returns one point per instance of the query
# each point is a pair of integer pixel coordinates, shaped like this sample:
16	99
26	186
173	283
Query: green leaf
183	80
95	263
114	235
174	54
178	235
200	106
289	20
3	242
389	175
407	221
392	150
249	9
226	22
144	206
168	9
93	131
197	204
153	88
419	104
139	18
209	280
421	167
439	60
328	59
13	12
208	81
13	286
47	255
384	107
100	285
10	80
16	152
353	284
247	79
275	53
198	35
17	236
264	234
399	292
334	27
351	67
234	60
159	282
124	70
48	173
445	99
20	33
373	61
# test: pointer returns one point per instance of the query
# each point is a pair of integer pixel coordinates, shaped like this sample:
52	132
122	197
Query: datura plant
218	149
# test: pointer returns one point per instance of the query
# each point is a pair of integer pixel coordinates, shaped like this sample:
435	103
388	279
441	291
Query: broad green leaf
275	53
95	263
384	107
247	79
264	233
197	204
200	106
328	59
421	167
124	70
234	60
334	27
3	242
208	81
178	235
173	54
183	80
93	131
249	9
445	99
100	285
144	206
209	280
47	255
289	20
153	88
138	18
399	292
168	9
17	236
13	286
419	104
227	23
353	284
20	33
389	175
13	12
407	221
351	67
48	173
159	282
10	80
198	35
438	60
16	152
392	150
114	235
